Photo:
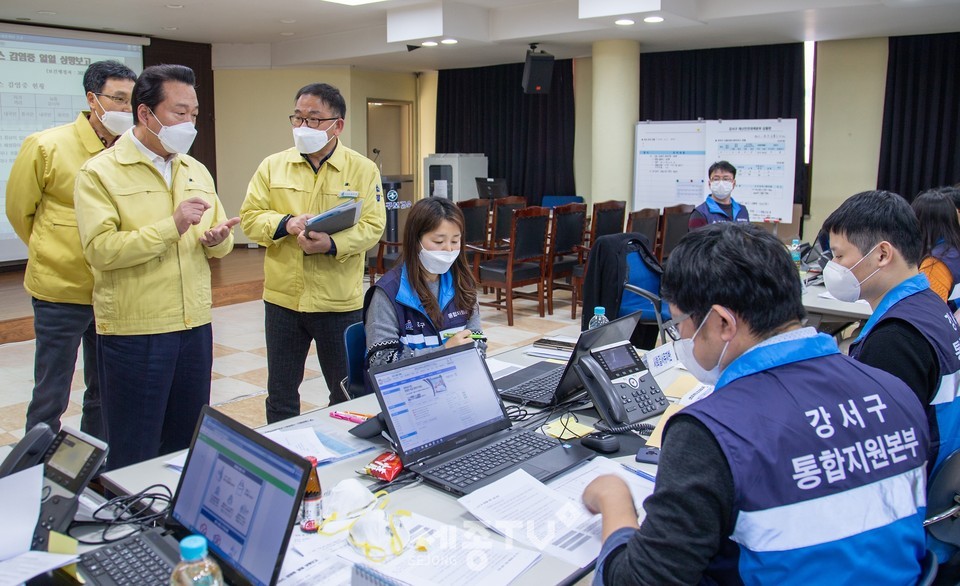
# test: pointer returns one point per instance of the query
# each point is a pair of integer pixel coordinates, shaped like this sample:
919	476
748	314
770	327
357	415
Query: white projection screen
41	86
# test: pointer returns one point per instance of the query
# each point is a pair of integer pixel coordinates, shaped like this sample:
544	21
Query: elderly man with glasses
313	281
40	208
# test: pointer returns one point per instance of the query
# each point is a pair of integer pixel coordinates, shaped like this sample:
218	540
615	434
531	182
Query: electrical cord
134	511
642	428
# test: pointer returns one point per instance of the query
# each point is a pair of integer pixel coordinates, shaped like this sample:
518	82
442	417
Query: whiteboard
672	158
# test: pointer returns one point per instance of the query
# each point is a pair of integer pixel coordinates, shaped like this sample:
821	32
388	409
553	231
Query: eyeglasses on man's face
298	121
118	100
672	327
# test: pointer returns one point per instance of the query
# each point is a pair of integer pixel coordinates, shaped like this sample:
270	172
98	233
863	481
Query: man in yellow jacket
40	209
313	281
149	220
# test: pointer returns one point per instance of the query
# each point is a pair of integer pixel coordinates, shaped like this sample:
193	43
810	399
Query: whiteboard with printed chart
671	161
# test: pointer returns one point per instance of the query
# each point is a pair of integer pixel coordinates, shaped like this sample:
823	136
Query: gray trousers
60	330
288	334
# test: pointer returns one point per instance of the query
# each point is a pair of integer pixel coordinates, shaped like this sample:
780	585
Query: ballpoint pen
472	336
640	473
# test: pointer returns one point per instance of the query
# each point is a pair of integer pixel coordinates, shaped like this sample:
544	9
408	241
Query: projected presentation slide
41	86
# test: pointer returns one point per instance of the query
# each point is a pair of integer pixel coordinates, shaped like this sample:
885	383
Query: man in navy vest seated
803	467
719	206
912	334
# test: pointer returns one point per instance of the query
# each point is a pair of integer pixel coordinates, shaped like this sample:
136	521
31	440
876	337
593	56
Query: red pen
347	417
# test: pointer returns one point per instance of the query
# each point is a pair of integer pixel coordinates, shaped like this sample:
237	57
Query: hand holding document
550	519
336	219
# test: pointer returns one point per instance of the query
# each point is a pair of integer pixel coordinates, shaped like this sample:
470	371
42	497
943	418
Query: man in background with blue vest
803	466
912	334
719	205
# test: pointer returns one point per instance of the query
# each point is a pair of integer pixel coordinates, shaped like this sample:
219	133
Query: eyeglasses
118	100
298	121
671	326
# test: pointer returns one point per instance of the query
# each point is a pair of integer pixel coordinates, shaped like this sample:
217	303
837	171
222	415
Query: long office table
827	314
420	498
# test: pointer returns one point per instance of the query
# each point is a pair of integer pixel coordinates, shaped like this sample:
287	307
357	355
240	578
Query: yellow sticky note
681	386
572	429
60	543
656	436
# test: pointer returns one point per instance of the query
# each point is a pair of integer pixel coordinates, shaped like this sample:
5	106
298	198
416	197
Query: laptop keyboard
540	388
131	561
476	466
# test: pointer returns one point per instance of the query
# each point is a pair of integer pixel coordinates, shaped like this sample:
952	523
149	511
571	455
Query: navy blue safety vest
713	213
417	331
914	302
828	461
951	258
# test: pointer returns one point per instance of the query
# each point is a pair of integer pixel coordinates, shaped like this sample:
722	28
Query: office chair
646	222
674	224
566	241
355	341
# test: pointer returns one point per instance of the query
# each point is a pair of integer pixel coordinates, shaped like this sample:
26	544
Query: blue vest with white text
417	331
828	462
713	213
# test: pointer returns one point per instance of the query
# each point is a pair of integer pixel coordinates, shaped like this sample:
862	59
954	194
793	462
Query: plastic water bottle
196	568
599	317
795	253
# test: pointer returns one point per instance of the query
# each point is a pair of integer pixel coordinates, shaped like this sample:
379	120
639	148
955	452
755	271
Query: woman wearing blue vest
940	239
429	300
803	466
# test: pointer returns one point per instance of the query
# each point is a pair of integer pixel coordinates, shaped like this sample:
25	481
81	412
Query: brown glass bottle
310	508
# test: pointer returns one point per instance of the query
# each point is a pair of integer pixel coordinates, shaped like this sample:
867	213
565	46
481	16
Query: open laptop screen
242	492
438	398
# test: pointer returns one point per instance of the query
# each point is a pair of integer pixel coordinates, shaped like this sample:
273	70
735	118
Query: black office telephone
621	389
70	460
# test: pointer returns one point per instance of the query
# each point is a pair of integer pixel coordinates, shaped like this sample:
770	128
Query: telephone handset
619	386
29	451
71	461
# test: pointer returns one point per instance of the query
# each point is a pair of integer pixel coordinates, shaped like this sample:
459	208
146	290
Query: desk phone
70	462
622	390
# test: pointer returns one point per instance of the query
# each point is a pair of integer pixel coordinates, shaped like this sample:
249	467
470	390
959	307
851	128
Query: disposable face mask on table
378	536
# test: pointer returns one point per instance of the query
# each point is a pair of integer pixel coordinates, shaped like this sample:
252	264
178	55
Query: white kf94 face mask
438	262
841	282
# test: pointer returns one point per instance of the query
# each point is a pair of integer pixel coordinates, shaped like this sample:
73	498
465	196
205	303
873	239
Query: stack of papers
552	519
20	509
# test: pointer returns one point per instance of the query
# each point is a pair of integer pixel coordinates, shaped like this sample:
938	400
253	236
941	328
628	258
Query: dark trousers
288	334
154	387
60	330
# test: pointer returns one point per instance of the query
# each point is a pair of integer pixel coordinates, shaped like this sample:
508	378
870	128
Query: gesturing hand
188	213
218	233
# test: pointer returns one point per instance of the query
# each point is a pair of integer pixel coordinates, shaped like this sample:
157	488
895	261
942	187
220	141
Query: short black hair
328	94
871	217
100	71
738	266
722	166
149	87
954	192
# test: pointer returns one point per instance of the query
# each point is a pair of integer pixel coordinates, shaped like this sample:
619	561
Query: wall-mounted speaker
537	72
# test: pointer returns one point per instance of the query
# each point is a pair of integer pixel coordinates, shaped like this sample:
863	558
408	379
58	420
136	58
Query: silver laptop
450	426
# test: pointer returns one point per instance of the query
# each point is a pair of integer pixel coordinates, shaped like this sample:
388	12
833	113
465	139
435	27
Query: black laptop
450	426
239	489
546	383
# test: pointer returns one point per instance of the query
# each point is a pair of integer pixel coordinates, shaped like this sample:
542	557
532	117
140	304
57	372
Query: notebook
546	383
446	418
239	489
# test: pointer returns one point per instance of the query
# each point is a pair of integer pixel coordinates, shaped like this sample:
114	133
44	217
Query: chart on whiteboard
672	159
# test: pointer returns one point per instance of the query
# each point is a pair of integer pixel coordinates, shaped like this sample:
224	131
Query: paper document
572	484
303	441
336	219
562	355
300	570
656	436
177	462
521	508
827	295
20	509
339	443
499	368
438	555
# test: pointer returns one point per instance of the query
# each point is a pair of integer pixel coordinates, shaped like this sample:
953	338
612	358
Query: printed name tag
353	194
660	359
